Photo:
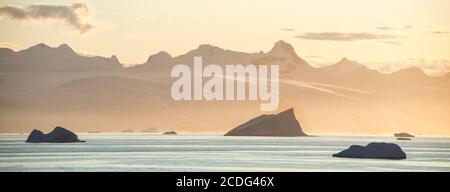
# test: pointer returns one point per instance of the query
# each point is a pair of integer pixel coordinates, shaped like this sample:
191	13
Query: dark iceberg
373	151
170	133
283	124
58	135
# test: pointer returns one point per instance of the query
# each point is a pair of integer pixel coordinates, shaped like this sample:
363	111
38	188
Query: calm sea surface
155	152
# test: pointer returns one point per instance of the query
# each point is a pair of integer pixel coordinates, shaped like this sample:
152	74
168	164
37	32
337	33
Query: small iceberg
373	151
170	133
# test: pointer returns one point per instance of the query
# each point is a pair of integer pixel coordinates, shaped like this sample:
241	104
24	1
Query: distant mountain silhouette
411	71
346	67
282	54
43	58
412	74
346	97
157	61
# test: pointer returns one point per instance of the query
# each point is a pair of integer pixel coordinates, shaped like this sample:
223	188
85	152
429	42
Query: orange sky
382	34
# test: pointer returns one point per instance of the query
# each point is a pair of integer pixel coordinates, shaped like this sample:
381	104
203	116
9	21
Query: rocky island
373	151
283	124
58	135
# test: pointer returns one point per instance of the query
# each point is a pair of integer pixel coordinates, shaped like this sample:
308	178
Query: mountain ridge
64	58
44	58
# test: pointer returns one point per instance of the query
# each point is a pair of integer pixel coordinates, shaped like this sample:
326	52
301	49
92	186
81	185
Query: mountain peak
164	54
208	47
281	42
62	49
345	59
286	50
346	66
348	63
114	59
43	58
65	47
411	71
160	57
40	46
282	45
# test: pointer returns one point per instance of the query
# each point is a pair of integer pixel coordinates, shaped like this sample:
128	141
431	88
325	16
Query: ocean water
156	152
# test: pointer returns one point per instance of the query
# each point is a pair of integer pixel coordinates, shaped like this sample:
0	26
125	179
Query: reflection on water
155	152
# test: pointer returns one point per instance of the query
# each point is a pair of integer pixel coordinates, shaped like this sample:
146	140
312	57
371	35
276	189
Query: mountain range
282	53
46	86
43	58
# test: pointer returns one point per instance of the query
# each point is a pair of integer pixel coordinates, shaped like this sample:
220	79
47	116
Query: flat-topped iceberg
403	135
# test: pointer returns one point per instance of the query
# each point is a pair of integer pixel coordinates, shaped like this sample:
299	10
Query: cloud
440	32
398	28
314	56
408	27
288	29
335	36
75	15
385	28
404	27
391	42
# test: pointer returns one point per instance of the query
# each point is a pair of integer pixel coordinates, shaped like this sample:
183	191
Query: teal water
155	152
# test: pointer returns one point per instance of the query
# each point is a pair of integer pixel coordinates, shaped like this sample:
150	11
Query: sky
382	34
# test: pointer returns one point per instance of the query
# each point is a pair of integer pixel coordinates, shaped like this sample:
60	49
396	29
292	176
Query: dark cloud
288	29
335	36
74	15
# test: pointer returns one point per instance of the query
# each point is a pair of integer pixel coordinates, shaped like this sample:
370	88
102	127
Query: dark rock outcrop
373	151
403	139
58	135
283	124
170	133
403	135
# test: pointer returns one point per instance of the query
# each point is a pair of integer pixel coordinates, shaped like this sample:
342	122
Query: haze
346	67
385	35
